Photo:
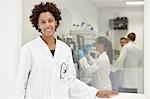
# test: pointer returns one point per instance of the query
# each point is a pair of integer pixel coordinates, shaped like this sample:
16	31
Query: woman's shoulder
29	44
63	44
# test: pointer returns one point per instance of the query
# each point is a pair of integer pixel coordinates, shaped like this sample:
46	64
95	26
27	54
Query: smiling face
47	24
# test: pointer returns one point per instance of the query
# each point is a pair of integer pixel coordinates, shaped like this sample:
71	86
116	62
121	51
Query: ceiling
104	3
110	3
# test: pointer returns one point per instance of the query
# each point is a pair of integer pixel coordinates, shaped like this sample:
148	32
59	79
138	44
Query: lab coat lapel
58	49
43	46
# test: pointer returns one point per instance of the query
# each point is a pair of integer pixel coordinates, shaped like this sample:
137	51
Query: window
98	20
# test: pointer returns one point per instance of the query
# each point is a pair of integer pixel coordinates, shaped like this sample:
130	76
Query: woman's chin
49	34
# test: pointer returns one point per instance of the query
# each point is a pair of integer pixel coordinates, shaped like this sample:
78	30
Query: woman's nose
47	24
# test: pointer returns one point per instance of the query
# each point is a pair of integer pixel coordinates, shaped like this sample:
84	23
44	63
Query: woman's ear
56	24
38	26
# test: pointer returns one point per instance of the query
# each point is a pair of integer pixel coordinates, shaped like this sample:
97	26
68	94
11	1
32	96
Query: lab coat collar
130	43
103	53
42	44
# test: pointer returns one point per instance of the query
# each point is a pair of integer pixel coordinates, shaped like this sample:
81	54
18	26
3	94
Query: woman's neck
50	41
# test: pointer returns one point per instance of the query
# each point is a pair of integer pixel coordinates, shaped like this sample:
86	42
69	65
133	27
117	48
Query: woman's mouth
48	30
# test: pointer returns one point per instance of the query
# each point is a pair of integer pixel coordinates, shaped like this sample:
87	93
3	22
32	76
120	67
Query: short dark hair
123	38
131	36
44	7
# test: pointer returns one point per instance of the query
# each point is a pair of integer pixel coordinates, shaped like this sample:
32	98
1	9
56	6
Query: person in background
130	61
123	41
116	77
99	67
46	69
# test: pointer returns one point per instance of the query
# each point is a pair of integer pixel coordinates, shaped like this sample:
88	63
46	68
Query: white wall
136	22
65	23
28	32
83	11
10	43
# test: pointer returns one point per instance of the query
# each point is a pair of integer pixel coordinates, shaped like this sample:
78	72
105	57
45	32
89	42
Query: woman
46	69
100	67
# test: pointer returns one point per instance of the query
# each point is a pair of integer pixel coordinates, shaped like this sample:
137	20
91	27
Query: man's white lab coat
42	76
131	61
100	69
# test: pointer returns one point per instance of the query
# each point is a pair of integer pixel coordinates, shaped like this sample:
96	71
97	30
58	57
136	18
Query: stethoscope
63	70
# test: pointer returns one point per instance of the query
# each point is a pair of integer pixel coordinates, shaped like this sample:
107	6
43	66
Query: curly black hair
44	7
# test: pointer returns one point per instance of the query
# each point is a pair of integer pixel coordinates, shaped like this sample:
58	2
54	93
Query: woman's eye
50	21
43	22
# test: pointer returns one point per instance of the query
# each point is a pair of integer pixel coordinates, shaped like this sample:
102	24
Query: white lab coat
100	69
50	77
130	62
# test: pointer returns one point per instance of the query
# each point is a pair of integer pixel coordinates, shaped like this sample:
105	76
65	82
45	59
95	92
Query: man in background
130	62
123	41
116	77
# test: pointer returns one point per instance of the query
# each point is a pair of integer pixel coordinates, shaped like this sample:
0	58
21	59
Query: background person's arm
94	66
